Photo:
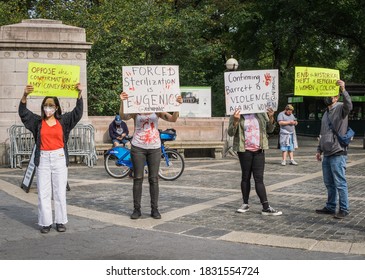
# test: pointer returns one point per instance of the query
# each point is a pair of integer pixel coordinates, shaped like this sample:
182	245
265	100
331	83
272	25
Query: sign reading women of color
310	81
151	88
251	91
53	79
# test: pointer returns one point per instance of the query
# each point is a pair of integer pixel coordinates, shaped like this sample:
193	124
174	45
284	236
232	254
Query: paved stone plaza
198	213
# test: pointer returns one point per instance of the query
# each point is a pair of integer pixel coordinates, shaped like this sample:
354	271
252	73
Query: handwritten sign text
53	79
310	81
152	88
251	91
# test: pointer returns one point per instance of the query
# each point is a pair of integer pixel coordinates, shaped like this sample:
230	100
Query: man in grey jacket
334	154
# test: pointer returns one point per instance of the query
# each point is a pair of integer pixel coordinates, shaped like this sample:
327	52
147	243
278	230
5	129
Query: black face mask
328	101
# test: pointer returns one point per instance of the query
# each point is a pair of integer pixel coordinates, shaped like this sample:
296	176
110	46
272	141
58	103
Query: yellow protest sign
311	81
53	79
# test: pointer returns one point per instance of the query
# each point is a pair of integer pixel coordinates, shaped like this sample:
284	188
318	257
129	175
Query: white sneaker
244	208
271	212
293	162
283	162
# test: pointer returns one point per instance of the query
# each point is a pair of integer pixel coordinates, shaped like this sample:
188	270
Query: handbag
345	139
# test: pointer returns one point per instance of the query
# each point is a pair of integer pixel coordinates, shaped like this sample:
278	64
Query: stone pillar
42	41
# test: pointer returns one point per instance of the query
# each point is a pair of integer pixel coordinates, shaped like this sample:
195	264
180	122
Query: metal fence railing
81	143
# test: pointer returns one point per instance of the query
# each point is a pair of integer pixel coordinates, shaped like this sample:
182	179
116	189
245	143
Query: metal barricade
81	143
21	145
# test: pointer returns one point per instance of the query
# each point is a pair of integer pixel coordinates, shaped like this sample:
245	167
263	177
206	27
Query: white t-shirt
146	134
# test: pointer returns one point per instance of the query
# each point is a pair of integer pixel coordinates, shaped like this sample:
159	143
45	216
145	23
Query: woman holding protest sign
249	132
146	147
51	130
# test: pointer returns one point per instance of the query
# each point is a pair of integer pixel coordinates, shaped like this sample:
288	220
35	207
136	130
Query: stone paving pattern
203	201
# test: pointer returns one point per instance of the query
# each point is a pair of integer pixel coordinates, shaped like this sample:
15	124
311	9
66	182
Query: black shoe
60	227
155	214
325	210
46	229
136	214
341	214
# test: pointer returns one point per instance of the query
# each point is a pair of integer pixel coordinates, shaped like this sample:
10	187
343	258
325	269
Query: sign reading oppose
251	91
310	81
53	79
152	88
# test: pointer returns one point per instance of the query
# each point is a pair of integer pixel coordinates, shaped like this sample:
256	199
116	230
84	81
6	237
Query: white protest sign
151	88
251	91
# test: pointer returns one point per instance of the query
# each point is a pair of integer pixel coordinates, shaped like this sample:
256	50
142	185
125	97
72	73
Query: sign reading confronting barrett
151	88
251	91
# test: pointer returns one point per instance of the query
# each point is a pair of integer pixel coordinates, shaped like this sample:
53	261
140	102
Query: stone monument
41	41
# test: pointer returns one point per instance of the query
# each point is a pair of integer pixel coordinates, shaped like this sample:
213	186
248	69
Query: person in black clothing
118	130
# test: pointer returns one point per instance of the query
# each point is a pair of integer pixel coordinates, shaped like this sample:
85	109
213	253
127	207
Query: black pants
139	157
253	163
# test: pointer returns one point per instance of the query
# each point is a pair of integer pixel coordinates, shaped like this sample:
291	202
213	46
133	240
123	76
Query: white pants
52	174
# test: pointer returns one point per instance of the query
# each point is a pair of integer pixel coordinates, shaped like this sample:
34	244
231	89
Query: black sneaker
325	210
155	214
46	229
136	214
60	227
341	214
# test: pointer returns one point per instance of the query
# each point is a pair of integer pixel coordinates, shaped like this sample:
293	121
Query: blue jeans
334	177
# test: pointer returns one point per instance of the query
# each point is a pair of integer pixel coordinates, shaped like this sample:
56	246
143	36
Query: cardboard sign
53	79
310	81
151	88
251	91
29	173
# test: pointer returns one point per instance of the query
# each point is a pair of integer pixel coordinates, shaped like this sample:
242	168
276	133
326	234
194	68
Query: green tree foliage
14	11
200	35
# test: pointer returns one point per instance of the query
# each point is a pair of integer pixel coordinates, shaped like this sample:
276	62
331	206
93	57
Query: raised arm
347	103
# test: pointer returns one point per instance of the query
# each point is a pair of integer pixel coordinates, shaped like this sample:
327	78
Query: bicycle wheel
113	169
172	166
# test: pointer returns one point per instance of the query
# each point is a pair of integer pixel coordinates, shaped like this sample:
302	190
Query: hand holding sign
28	90
342	85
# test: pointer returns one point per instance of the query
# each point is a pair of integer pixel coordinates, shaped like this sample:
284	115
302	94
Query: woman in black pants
250	142
146	147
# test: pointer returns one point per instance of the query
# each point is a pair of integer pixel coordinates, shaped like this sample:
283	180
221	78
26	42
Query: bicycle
118	163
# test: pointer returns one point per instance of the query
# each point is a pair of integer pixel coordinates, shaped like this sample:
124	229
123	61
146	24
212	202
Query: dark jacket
33	122
338	115
113	129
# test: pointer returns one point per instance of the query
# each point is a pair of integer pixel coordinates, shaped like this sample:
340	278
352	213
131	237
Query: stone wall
188	129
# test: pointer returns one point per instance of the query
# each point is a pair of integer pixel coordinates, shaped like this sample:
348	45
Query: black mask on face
328	101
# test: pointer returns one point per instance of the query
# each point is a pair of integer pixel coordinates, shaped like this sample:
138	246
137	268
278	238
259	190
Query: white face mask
49	111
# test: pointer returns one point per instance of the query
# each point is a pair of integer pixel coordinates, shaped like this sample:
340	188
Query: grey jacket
338	115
